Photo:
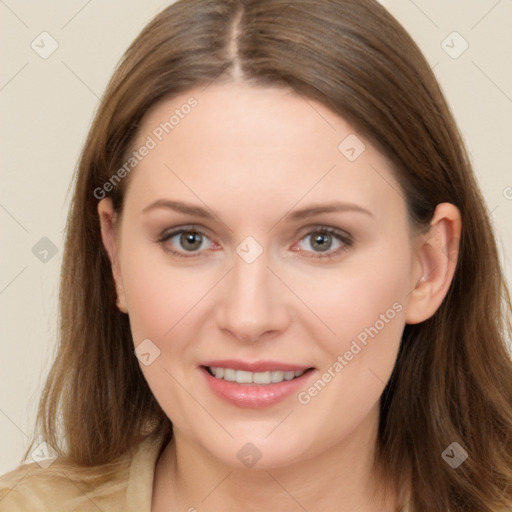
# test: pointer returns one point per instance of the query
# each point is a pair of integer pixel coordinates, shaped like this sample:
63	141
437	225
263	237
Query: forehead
256	146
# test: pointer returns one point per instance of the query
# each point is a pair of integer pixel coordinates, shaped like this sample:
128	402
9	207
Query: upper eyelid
170	232
324	227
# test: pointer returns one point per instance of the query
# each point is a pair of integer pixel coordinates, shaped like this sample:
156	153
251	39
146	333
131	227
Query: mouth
254	385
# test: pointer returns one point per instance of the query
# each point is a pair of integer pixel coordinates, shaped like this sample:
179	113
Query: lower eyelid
333	253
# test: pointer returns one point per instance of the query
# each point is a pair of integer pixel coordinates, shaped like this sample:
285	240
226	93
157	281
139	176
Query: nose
253	304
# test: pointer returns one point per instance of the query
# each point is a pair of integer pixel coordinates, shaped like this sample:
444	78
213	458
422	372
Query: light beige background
46	107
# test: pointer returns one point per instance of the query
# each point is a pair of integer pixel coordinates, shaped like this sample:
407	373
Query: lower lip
254	396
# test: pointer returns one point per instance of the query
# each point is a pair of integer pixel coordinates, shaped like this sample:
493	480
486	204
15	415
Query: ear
109	223
436	258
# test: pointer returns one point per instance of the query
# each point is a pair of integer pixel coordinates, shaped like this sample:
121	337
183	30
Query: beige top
129	486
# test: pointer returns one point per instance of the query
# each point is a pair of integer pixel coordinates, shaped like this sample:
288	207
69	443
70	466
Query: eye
183	241
325	242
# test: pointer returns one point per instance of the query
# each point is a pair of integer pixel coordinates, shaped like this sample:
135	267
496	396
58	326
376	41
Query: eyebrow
311	211
179	207
327	208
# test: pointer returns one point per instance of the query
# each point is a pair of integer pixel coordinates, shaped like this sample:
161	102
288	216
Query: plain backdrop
47	104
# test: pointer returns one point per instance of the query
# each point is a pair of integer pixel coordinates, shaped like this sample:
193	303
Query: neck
341	479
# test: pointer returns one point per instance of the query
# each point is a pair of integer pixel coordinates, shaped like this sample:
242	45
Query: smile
243	388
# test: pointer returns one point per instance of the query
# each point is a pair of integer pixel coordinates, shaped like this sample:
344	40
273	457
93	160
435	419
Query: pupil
191	240
322	242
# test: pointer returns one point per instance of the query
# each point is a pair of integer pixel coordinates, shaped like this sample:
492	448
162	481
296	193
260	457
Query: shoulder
58	487
64	487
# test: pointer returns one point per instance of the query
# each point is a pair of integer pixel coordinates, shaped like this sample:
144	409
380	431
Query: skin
252	156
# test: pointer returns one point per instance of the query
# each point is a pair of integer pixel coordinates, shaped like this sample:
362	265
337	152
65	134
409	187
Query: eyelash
341	236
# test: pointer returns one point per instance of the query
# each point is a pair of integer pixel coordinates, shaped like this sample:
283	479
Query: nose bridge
250	304
250	282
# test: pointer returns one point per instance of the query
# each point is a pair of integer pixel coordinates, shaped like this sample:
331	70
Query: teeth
229	374
245	377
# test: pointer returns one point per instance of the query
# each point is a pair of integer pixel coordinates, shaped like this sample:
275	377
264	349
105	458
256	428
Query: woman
280	286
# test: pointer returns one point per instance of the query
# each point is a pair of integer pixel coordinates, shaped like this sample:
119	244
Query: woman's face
263	235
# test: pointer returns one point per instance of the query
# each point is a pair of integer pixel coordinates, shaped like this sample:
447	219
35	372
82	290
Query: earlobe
435	262
108	225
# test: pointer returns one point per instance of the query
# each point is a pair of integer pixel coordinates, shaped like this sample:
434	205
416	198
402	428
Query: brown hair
453	377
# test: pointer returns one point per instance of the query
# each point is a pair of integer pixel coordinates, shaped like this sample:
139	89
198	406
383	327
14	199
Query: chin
259	453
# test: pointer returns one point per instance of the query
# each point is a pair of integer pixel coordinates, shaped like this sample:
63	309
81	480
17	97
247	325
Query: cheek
162	300
368	301
159	291
365	291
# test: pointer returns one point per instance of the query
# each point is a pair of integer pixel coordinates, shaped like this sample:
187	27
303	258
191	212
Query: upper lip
256	366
